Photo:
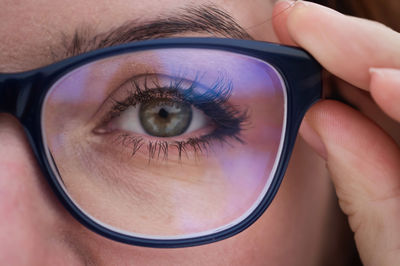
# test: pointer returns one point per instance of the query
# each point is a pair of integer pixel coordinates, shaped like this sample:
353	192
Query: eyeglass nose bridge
14	92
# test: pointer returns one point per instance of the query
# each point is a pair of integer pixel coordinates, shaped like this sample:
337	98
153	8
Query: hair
384	11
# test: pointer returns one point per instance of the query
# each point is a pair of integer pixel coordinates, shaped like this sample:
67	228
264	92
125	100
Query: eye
158	112
161	118
166	143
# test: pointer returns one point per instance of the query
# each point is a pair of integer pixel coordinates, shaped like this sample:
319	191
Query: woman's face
301	227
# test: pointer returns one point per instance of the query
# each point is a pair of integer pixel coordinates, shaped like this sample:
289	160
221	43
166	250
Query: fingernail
388	74
287	3
300	4
375	71
383	72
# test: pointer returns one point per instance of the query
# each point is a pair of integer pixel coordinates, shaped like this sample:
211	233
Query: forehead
31	31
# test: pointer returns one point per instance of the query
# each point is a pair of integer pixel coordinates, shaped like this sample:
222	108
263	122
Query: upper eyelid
182	76
221	91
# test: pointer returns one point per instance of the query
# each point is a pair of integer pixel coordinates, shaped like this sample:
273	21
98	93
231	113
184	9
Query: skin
303	221
362	158
209	182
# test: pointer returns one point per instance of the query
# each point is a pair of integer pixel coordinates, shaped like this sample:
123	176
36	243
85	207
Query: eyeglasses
166	143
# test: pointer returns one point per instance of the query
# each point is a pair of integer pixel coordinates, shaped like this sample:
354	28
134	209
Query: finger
346	46
279	17
364	164
385	89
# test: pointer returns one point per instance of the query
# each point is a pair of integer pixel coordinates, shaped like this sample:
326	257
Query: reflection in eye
161	118
165	118
182	114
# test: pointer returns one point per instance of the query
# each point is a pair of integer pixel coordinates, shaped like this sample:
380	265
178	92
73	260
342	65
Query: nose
33	225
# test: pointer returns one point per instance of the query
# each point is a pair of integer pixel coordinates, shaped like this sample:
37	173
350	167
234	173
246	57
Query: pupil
163	113
165	117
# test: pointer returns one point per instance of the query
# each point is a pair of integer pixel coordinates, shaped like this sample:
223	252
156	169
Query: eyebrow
202	19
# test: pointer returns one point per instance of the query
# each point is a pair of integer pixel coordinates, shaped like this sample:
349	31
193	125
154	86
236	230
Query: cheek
293	229
32	221
177	195
291	232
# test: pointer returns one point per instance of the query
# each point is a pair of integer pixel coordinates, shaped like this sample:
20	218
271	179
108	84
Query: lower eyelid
170	140
117	143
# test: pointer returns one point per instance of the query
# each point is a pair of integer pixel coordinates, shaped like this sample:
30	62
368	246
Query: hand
363	160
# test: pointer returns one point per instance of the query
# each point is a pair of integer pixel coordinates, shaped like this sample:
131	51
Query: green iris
165	118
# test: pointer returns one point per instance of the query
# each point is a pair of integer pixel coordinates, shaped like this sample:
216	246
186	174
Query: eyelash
229	121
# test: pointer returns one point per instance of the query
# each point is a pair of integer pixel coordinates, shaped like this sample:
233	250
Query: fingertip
344	130
313	139
324	118
294	19
307	19
279	21
339	43
385	90
337	125
325	34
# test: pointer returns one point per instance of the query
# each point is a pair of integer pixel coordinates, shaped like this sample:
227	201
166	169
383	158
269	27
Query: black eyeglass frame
23	95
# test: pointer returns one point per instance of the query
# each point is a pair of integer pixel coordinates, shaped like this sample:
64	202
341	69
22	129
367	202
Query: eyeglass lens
166	143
